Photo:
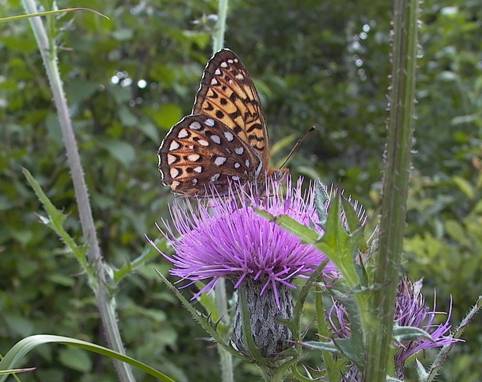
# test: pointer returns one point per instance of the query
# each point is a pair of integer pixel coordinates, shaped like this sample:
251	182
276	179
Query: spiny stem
395	187
226	359
105	302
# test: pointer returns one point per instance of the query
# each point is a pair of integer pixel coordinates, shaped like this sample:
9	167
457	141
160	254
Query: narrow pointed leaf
421	372
409	333
321	346
56	221
20	350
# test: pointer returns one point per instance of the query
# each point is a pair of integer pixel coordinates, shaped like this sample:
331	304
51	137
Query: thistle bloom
410	310
225	237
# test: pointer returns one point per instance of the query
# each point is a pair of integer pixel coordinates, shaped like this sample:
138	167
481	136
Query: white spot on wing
193	157
235	177
223	65
236	60
219	161
203	142
215	138
173	146
198	169
215	177
174	172
239	76
175	184
214	81
195	125
194	181
183	134
239	150
209	122
171	159
229	136
247	162
217	72
230	61
237	165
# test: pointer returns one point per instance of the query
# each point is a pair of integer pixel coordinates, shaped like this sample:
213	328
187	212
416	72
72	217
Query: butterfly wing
200	153
227	94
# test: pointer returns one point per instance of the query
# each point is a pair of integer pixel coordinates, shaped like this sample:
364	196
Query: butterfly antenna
297	145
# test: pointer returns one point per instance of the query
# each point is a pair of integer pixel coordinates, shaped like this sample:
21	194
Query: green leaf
166	115
79	90
120	150
464	186
56	221
321	346
338	245
127	118
421	372
20	350
409	333
49	13
306	234
351	215
19	325
75	359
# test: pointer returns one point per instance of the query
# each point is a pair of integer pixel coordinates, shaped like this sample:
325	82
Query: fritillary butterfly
224	140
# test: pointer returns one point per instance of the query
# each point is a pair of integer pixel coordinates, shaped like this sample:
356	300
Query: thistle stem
218	36
226	359
98	278
395	188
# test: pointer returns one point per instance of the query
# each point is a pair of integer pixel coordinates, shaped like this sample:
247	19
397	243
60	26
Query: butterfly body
225	138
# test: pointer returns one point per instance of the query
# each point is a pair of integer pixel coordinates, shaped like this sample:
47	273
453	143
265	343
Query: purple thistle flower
225	237
410	310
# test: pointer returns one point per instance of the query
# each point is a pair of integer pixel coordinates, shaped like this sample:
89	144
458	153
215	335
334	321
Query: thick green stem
395	187
99	279
226	359
218	36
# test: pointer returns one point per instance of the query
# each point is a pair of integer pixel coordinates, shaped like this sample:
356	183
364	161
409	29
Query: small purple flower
410	310
225	237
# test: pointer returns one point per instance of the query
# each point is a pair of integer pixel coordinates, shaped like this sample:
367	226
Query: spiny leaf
56	221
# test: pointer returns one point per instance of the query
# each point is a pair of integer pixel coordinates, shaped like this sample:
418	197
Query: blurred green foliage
129	80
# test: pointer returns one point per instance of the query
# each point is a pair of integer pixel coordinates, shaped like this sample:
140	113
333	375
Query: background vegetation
129	80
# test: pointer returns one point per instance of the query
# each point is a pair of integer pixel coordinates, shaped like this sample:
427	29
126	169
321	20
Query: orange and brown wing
201	154
227	94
